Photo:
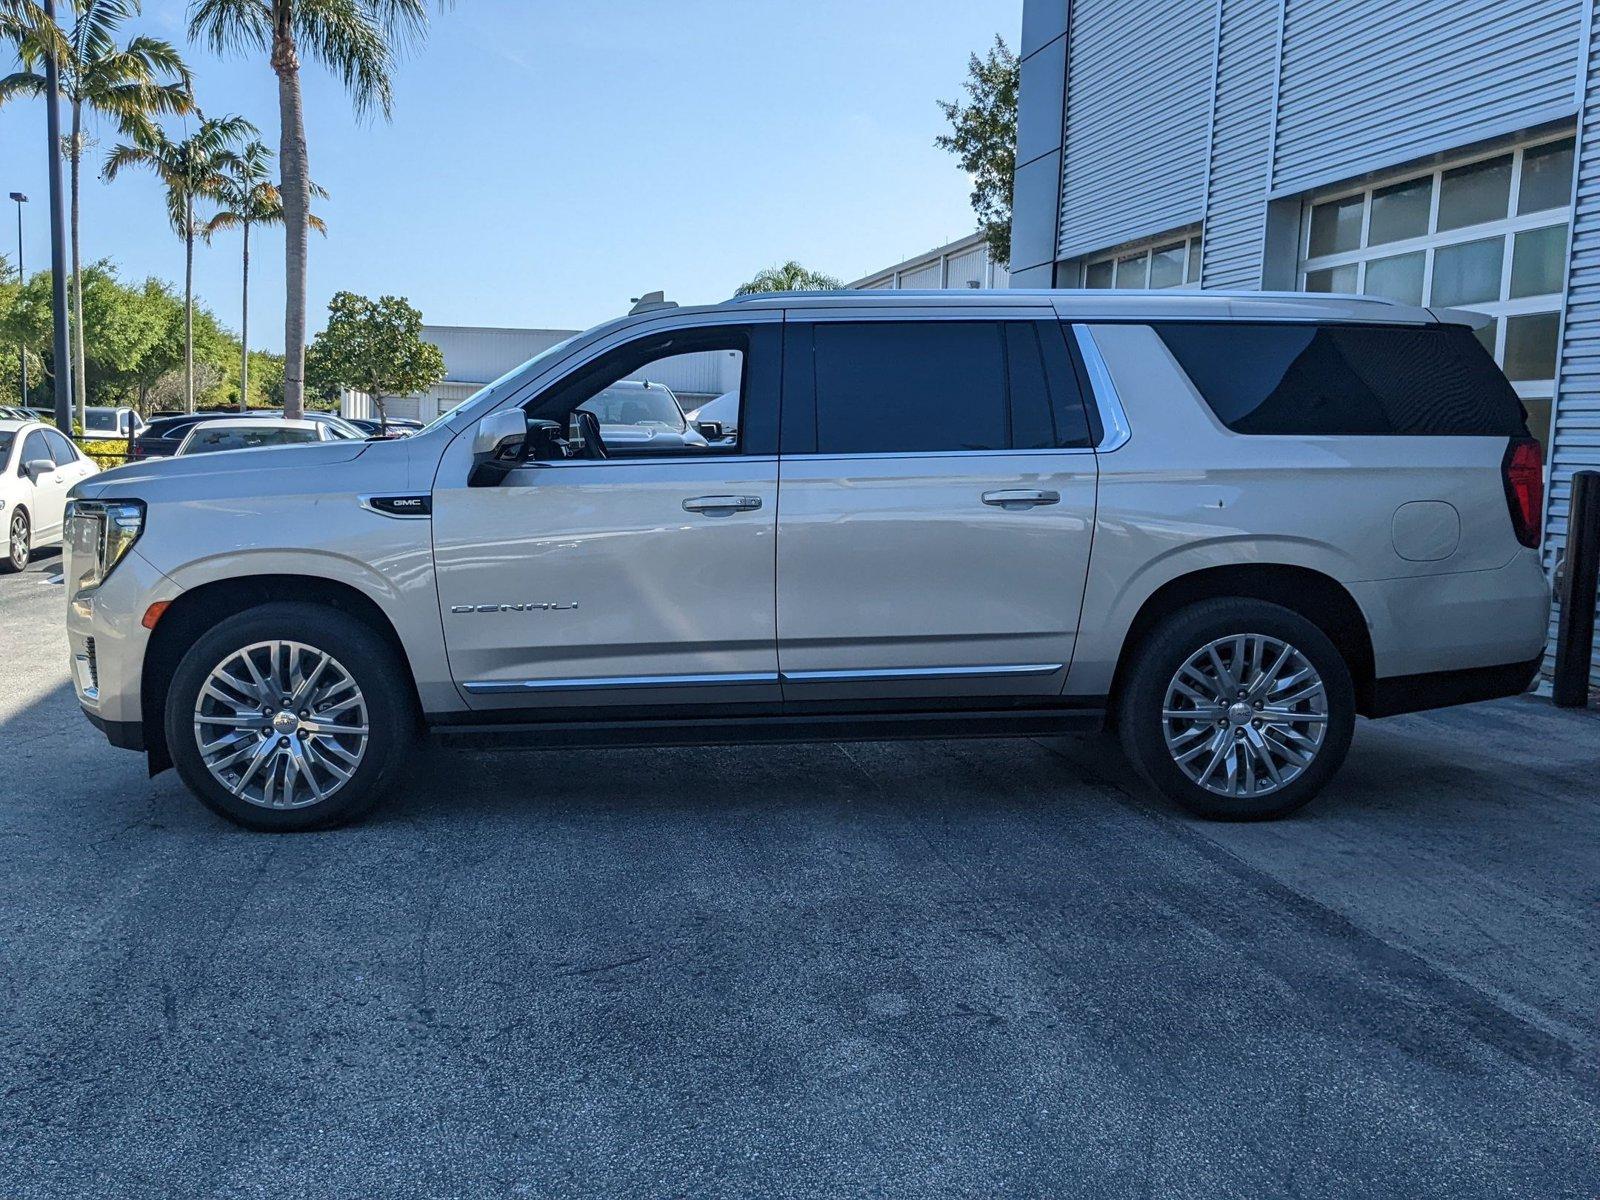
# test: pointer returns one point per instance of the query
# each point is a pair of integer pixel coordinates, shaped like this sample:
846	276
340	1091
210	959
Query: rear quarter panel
1185	494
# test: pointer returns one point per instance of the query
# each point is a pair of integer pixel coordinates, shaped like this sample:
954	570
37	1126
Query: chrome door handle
721	504
1020	498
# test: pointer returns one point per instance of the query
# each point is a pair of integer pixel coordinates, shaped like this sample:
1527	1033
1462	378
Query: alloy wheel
1245	715
17	544
281	724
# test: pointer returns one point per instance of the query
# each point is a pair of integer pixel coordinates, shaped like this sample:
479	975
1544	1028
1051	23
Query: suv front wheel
1237	709
289	717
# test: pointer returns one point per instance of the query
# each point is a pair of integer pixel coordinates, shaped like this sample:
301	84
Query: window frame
1501	309
1189	238
763	346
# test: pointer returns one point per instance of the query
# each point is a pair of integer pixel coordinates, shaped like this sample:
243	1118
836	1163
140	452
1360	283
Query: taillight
1522	470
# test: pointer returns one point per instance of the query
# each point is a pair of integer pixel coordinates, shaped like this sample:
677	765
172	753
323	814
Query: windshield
100	420
5	445
207	440
650	405
555	351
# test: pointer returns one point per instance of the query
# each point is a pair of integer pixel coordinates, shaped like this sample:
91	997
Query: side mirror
36	467
501	435
711	430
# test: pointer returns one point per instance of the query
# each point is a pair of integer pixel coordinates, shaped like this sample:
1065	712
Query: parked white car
1224	525
633	413
38	464
122	422
722	413
207	437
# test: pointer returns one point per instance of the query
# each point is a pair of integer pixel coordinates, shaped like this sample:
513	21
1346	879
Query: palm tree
249	197
790	277
356	39
195	168
131	84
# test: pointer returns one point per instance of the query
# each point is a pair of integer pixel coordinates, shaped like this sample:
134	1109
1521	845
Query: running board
735	731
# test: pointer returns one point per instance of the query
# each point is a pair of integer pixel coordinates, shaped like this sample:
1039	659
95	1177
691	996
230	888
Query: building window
1167	262
1488	233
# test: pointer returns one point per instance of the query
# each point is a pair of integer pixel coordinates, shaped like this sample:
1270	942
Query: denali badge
547	606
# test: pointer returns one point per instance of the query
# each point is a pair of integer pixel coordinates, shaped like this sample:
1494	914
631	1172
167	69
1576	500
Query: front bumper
107	644
124	735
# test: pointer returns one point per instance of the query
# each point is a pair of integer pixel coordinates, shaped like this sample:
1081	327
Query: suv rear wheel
289	717
1237	709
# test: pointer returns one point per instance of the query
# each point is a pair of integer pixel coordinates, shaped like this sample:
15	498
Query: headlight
98	534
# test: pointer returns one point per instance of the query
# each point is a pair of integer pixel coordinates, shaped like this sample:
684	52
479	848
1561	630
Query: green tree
13	345
130	83
194	168
373	346
248	197
983	135
26	322
790	277
358	40
266	380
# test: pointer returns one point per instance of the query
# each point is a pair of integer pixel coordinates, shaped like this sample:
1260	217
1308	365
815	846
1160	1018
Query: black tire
392	721
1169	646
19	542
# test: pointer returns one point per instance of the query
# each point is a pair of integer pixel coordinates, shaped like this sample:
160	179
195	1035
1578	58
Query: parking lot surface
944	968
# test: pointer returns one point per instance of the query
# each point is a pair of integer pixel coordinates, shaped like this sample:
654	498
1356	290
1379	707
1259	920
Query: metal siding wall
1138	102
474	355
967	270
1575	444
709	373
1236	205
1369	83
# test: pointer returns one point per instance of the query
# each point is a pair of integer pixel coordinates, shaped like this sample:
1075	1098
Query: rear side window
60	449
1346	379
905	387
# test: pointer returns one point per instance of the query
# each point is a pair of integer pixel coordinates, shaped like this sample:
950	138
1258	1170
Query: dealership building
1436	153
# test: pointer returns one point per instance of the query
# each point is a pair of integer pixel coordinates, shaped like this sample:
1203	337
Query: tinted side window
886	387
60	449
1346	379
1047	410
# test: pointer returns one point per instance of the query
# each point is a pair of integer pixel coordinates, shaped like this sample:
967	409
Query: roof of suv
1102	304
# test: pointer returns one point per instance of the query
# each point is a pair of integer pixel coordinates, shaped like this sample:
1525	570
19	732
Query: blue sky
547	161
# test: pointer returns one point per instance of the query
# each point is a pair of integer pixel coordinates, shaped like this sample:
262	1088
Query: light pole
22	278
58	236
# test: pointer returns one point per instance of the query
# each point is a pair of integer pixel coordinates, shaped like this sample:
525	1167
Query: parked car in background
208	437
1223	526
718	419
162	437
10	412
111	422
633	414
38	464
390	427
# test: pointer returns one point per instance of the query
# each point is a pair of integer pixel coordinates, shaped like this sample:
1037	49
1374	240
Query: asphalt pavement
925	969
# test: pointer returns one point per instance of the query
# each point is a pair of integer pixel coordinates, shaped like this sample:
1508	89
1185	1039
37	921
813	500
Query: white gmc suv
1224	525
